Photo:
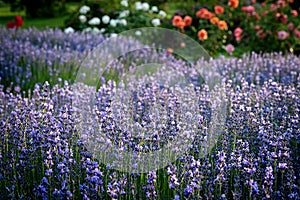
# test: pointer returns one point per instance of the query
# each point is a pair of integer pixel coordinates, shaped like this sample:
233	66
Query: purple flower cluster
43	156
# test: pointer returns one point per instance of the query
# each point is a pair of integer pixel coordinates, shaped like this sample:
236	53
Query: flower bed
42	155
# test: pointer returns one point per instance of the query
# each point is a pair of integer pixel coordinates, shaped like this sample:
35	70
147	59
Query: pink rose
229	48
282	35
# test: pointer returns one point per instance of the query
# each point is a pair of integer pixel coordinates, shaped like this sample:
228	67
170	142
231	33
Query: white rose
82	18
102	30
84	9
124	3
154	9
96	30
124	13
105	19
162	13
113	23
155	22
123	22
94	21
145	6
138	5
69	30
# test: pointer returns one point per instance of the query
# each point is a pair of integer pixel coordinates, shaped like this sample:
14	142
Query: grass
6	15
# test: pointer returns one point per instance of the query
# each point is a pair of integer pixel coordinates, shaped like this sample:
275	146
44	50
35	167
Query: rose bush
253	26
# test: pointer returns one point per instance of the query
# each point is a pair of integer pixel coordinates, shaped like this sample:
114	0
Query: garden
150	99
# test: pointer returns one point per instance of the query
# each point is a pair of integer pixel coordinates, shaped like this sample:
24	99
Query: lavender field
256	154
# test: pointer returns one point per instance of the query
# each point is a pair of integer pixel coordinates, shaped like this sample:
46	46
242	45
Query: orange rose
222	25
233	3
177	20
181	25
200	13
188	20
219	10
214	20
208	15
202	35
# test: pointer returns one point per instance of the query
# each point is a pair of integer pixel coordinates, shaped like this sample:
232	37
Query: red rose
19	21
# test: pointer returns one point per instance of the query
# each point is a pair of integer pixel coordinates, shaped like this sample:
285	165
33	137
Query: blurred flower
154	9
214	20
69	30
219	9
96	30
124	3
256	27
138	33
291	26
113	23
138	5
229	48
294	13
248	9
200	13
19	21
11	25
296	33
88	29
84	9
284	18
282	35
187	20
155	22
237	33
113	35
82	18
202	34
162	13
222	25
145	6
105	19
94	21
123	22
233	3
261	34
169	50
124	13
176	20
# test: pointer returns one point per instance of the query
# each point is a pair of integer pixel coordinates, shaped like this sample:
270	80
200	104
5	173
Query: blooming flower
124	13
233	3
124	3
294	13
82	18
145	6
154	9
155	22
138	33
214	20
229	48
105	19
84	9
94	21
200	13
222	25
291	26
202	34
176	20
113	23
123	22
138	5
237	33
19	21
282	35
219	9
69	30
162	13
187	20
